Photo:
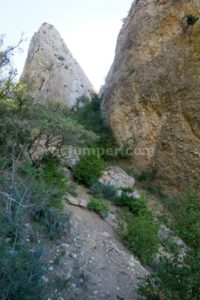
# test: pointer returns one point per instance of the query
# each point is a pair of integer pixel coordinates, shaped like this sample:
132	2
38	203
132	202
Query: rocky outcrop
50	70
152	94
116	177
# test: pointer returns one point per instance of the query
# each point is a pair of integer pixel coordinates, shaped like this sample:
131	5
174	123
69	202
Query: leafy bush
26	197
191	20
88	169
147	175
20	273
90	117
72	189
103	190
34	122
100	206
139	234
154	189
61	282
187	217
56	223
21	266
172	280
135	205
49	177
51	173
185	211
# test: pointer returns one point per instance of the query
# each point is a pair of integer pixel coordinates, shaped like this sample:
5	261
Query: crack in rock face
51	72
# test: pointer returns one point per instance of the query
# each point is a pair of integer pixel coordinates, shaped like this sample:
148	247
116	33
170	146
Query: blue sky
89	28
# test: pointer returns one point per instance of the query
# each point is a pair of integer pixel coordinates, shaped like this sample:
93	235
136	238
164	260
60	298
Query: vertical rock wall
152	92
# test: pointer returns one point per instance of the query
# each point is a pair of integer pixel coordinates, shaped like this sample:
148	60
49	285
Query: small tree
88	169
7	71
188	22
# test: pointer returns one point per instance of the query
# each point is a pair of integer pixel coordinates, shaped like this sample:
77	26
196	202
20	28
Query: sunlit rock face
51	72
152	92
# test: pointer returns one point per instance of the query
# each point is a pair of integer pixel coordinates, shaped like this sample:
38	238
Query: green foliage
139	234
187	218
135	205
154	189
72	189
90	117
49	177
99	205
25	197
8	72
191	20
173	280
120	298
57	259
88	168
130	69
34	121
89	114
54	177
52	181
20	273
21	267
52	172
61	282
103	190
147	175
55	222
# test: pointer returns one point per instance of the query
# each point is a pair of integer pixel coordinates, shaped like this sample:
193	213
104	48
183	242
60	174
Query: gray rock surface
117	178
76	201
51	72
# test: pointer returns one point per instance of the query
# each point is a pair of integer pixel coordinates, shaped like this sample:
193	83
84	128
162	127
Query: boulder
76	201
117	178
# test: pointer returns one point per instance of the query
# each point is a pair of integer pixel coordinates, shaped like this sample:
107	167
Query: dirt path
110	271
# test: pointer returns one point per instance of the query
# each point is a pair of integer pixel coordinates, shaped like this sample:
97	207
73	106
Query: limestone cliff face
51	71
152	92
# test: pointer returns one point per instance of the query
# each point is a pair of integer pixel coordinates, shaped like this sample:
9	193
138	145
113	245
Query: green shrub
130	69
61	282
36	120
88	169
72	189
90	117
187	218
21	273
172	280
191	20
100	206
147	175
140	235
103	190
135	205
154	189
55	222
54	177
51	171
185	212
50	178
21	264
